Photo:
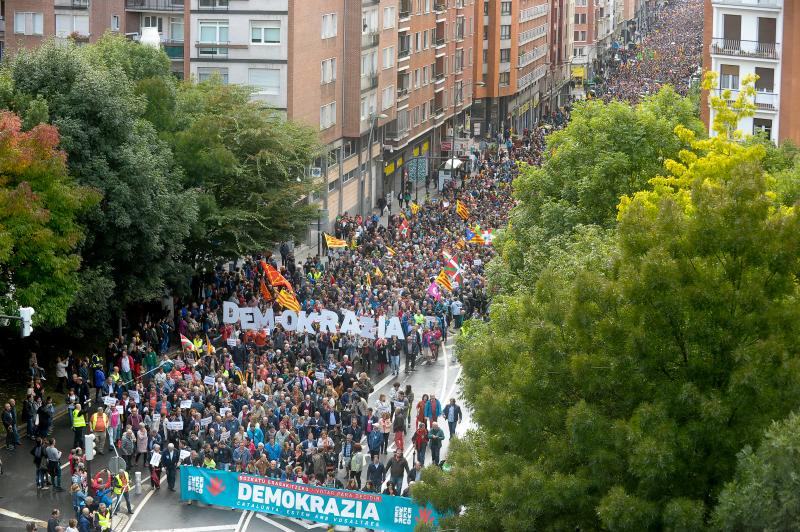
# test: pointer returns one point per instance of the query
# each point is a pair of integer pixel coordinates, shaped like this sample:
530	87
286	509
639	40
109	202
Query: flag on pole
186	343
473	238
415	208
209	348
264	291
277	280
488	236
460	244
390	251
434	292
333	242
404	228
444	281
462	210
452	268
378	272
287	300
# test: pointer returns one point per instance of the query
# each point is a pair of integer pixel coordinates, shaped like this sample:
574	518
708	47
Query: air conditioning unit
316	171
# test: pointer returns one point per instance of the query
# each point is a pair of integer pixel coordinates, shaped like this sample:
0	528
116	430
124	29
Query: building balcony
370	40
213	5
212	49
366	3
760	4
402	53
404	9
439	41
154	5
440	7
438	75
764	101
402	93
71	4
174	50
369	82
745	49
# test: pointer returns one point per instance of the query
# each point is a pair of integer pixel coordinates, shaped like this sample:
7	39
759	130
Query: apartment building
167	18
30	22
745	37
584	52
435	48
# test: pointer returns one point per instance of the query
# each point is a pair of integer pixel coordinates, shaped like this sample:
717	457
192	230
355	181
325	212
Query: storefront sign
301	501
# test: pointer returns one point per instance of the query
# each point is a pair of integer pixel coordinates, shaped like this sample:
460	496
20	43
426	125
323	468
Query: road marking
15	515
193	529
274	523
244	523
140	506
306	525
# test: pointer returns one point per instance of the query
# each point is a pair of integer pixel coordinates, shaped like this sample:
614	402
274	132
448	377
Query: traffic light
88	446
25	314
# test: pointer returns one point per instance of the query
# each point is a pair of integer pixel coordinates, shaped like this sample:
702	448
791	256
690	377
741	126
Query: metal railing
154	5
74	4
439	7
439	41
369	82
764	101
759	3
370	40
740	48
402	92
213	5
209	49
403	52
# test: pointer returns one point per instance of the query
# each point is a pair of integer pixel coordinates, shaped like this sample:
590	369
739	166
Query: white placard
206	421
120	409
187	377
133	394
477	262
175	425
109	401
185	454
319	375
156	419
155	460
186	403
224	411
399	404
209	380
231	342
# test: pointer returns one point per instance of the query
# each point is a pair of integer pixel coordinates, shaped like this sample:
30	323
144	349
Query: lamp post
373	119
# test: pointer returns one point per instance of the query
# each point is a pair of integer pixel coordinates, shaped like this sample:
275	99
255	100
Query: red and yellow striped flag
462	210
390	250
288	301
333	242
444	281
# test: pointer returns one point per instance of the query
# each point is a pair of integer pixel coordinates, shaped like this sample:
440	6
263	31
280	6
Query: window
486	8
367	106
417	42
459	91
388	17
505	8
425	40
388	57
206	73
68	24
369	21
578	51
387	99
349	176
265	31
504	79
28	23
459	28
416	79
329	26
485	55
762	125
213	32
114	22
427	6
729	77
459	60
766	79
580	18
151	21
327	115
328	70
266	80
176	29
333	185
369	63
505	32
486	33
210	4
505	55
425	78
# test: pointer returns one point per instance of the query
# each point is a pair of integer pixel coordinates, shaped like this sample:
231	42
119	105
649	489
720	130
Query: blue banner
303	501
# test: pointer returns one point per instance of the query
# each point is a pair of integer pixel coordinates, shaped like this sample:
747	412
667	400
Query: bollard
138	487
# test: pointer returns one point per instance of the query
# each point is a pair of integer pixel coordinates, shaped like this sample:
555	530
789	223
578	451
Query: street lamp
373	119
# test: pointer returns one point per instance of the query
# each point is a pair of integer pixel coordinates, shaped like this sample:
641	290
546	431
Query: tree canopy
615	390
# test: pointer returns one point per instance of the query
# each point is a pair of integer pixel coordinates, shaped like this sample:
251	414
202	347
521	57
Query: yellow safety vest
78	420
124	480
104	520
103	425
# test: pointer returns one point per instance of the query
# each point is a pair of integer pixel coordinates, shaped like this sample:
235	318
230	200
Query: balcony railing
369	82
403	52
740	48
439	41
774	4
370	40
438	75
72	4
764	101
154	5
440	7
370	2
402	92
174	50
208	49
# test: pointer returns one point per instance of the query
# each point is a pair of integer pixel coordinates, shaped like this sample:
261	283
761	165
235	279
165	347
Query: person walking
10	424
99	425
53	524
421	442
78	426
435	437
357	465
375	472
45	412
452	413
39	453
121	490
127	448
396	467
171	460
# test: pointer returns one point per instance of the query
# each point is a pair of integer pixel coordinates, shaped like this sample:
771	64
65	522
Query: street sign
447	146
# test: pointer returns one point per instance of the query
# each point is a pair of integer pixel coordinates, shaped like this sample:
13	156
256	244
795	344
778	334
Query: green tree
39	233
763	494
615	390
606	151
248	164
135	235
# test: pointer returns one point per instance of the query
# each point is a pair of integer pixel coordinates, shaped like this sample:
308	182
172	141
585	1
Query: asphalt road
163	511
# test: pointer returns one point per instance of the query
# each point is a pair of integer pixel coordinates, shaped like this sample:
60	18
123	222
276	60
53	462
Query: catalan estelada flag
378	272
462	210
473	238
444	281
288	301
333	242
